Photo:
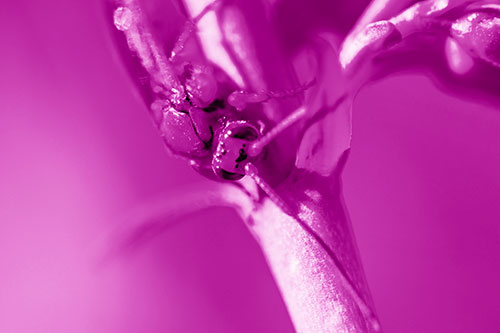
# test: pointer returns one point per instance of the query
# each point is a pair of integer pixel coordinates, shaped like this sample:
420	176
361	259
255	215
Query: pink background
78	150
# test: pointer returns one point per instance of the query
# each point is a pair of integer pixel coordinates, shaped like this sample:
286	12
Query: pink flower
232	77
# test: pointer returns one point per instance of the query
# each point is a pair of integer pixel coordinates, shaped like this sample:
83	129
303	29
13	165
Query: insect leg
187	31
240	99
260	143
189	28
291	92
211	6
129	19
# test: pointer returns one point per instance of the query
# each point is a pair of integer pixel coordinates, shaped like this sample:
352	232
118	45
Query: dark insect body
199	111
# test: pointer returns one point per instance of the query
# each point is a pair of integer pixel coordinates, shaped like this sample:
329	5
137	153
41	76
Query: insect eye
231	154
245	132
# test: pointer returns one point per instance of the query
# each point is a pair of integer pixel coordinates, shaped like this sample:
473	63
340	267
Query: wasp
198	110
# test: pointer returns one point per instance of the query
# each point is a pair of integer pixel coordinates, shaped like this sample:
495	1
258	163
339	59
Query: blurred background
78	151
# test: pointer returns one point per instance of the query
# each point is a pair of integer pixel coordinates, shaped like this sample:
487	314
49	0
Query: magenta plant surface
281	78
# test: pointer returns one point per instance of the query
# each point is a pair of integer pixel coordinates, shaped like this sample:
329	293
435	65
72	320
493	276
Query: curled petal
435	34
479	34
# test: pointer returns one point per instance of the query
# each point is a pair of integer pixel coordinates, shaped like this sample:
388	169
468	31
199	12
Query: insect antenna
256	148
211	6
189	28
